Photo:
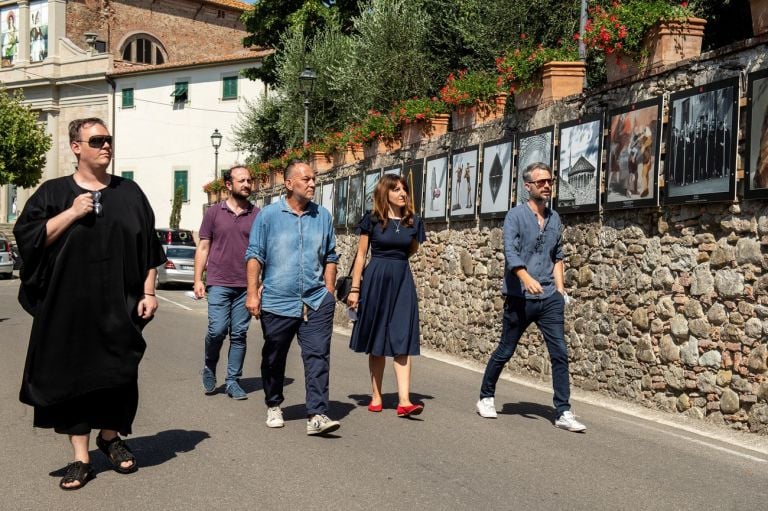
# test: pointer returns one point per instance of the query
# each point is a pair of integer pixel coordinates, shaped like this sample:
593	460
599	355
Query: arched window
144	49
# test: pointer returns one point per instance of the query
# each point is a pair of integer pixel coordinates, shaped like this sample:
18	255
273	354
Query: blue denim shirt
293	251
536	250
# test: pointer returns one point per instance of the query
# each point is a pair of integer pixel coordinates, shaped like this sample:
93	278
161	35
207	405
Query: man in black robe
90	251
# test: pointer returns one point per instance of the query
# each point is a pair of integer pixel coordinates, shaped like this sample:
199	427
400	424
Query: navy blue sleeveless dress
388	313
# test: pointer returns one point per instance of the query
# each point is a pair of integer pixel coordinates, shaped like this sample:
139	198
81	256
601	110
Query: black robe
83	290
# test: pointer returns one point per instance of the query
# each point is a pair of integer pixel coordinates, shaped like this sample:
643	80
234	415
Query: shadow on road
336	410
529	410
150	450
249	385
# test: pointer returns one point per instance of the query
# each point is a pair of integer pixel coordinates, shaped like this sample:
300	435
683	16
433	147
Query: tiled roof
233	4
127	68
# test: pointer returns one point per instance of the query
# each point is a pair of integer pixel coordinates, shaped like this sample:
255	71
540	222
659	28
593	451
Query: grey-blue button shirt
293	251
527	246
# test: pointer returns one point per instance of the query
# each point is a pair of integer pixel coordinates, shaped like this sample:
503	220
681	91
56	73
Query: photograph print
532	147
371	180
578	172
355	201
496	178
326	196
756	171
437	188
393	170
413	172
701	148
340	202
464	182
633	155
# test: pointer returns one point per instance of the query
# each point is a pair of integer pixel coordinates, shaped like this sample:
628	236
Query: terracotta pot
669	42
412	132
350	154
320	162
213	197
619	66
666	43
528	98
759	10
471	116
562	79
380	146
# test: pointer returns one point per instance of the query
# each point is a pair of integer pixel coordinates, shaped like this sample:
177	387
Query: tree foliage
178	198
23	142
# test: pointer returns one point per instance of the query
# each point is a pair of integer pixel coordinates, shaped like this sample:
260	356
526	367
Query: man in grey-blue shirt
535	293
291	272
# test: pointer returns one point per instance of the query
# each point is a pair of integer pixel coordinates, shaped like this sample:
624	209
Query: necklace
397	227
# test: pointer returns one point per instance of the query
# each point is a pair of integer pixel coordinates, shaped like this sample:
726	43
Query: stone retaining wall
670	304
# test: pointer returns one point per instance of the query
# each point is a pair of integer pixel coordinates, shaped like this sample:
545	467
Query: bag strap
354	257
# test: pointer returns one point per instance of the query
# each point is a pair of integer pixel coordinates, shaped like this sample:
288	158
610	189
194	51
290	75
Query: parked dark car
180	267
175	237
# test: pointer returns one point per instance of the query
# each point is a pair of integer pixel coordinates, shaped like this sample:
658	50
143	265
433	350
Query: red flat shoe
407	411
375	408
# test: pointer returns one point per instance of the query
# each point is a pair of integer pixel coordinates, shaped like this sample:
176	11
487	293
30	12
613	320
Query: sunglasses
97	141
98	207
539	242
541	182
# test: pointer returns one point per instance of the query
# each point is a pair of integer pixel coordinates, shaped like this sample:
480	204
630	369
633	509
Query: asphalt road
200	452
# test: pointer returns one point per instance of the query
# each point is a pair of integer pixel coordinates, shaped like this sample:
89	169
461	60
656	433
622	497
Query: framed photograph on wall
464	183
496	178
437	188
578	173
355	200
756	160
396	169
532	146
340	202
371	180
413	171
326	196
700	164
634	142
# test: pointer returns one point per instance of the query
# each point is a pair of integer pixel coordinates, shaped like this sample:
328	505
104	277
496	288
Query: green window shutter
230	87
127	174
181	91
180	180
128	98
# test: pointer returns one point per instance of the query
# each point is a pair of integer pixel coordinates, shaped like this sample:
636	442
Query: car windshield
180	252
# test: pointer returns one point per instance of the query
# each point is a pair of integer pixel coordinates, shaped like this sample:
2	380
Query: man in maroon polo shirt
221	252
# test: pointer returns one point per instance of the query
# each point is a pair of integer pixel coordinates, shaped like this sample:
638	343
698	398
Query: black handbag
344	284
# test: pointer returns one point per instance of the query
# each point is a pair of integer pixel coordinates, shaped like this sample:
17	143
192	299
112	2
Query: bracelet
354	291
149	294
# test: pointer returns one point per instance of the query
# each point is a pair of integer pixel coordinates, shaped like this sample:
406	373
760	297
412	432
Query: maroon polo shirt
228	235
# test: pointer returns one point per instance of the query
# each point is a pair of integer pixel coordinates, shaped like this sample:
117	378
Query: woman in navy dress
387	307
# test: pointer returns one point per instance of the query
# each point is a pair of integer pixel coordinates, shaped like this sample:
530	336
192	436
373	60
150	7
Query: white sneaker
321	424
486	408
275	417
568	421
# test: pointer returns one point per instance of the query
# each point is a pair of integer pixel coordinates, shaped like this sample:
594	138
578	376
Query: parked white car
6	258
180	267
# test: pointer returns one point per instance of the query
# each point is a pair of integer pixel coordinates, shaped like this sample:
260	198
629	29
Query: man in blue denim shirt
291	272
535	292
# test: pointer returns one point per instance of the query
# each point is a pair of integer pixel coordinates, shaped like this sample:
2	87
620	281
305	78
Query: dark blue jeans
314	336
227	315
548	314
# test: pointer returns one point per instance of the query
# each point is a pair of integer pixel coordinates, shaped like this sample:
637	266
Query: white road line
175	303
601	401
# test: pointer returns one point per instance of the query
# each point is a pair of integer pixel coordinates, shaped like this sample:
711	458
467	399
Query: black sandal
76	471
117	452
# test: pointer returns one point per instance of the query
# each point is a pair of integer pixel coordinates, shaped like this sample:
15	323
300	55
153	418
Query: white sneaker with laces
486	408
321	424
568	421
275	417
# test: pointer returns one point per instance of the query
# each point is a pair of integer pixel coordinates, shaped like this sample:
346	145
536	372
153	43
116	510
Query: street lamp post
216	143
306	83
